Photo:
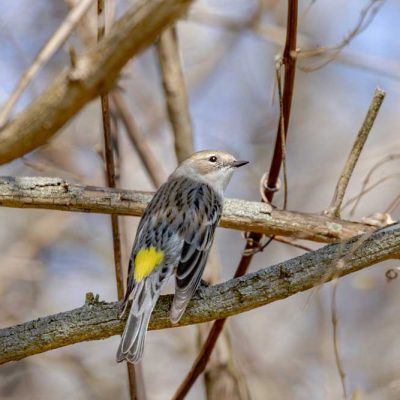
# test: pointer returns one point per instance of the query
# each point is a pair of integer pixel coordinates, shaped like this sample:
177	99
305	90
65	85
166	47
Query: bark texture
58	194
91	74
99	320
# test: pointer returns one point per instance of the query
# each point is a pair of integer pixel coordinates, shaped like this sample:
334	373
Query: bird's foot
202	288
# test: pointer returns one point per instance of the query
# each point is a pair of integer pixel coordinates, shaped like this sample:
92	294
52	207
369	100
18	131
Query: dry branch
47	51
176	93
111	181
95	72
109	160
334	208
99	320
276	34
58	194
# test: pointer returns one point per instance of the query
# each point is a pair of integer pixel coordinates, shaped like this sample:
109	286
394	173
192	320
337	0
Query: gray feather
180	220
197	243
145	297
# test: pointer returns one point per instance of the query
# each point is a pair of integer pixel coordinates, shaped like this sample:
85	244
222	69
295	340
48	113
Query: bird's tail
132	342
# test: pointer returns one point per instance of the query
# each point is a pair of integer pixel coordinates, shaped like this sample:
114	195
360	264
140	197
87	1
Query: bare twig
111	180
283	134
335	210
175	93
393	205
377	165
289	64
223	377
98	320
276	34
47	51
338	360
366	190
110	164
292	242
120	108
330	53
336	203
95	72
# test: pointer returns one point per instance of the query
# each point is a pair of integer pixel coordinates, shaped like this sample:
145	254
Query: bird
174	237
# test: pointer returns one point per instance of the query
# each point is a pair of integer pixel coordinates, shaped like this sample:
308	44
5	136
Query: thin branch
223	376
289	64
175	93
270	187
148	158
336	203
95	72
58	194
47	51
291	242
276	34
201	360
366	190
393	205
120	108
110	163
376	166
99	320
111	181
283	134
334	316
366	17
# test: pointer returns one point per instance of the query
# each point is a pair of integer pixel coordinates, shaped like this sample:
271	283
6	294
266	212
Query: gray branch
98	320
58	194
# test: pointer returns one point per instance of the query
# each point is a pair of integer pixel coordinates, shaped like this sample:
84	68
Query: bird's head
211	166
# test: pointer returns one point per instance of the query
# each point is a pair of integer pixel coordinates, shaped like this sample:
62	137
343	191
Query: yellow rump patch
146	261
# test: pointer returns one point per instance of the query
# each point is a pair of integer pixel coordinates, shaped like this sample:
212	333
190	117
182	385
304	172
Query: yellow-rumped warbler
174	235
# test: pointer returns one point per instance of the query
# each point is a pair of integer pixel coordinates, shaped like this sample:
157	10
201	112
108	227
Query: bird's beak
238	164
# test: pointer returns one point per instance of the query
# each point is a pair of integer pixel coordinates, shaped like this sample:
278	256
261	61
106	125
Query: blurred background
50	259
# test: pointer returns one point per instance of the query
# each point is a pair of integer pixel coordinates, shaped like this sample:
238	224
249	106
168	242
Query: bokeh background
50	259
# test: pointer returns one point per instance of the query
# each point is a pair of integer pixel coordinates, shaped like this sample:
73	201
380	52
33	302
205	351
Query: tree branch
58	194
111	180
175	93
95	72
46	52
340	190
99	320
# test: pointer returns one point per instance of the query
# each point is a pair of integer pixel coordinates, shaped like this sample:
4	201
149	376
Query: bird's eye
212	159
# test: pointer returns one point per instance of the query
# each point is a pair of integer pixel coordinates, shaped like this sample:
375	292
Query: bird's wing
147	238
205	208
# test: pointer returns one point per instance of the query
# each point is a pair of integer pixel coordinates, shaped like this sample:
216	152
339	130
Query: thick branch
98	320
58	194
45	53
94	73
